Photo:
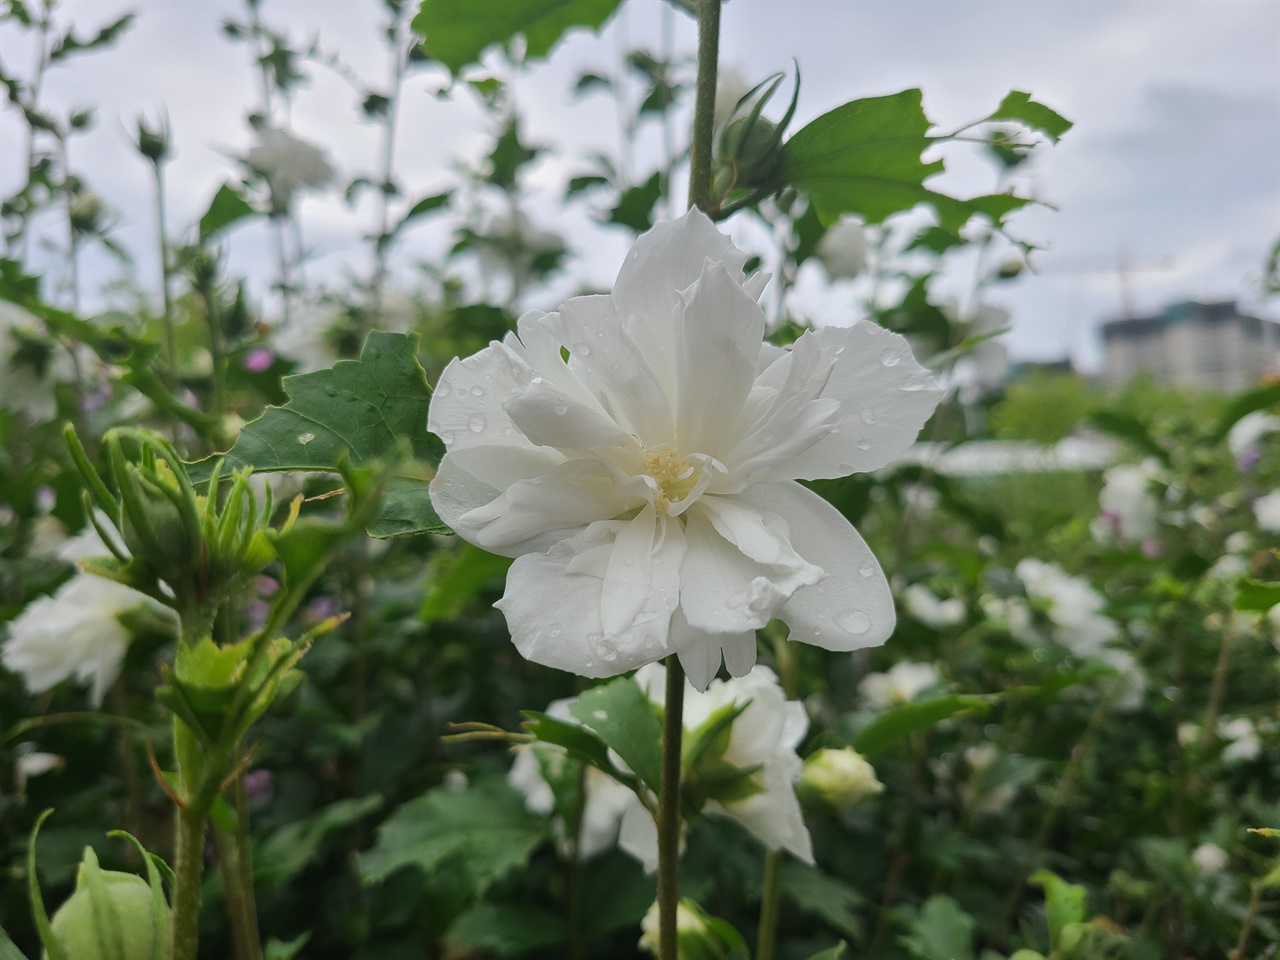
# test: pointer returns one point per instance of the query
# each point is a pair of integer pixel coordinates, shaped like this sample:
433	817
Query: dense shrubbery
1059	753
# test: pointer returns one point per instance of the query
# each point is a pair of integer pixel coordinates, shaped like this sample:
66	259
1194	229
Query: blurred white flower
901	684
1228	567
843	249
1128	506
731	86
1072	606
924	605
647	485
1188	733
1131	678
1267	511
986	366
1248	430
1240	739
31	763
74	633
26	386
1210	858
978	792
1238	542
288	164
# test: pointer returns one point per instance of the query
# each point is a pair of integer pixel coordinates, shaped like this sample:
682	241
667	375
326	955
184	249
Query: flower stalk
669	811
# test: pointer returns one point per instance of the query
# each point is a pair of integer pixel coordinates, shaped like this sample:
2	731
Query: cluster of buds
187	551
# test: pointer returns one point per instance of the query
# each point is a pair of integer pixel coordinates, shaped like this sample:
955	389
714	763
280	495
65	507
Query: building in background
1210	346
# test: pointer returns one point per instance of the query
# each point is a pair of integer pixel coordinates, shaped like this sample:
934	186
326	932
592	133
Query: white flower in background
1240	739
1238	542
842	778
1128	506
74	633
1188	733
901	684
979	793
1210	858
764	735
23	388
1071	604
31	763
288	164
924	605
1242	440
986	366
605	800
731	86
1267	511
647	485
1229	566
1131	678
843	249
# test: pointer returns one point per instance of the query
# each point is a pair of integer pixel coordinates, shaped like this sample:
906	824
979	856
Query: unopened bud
753	147
697	937
85	211
840	778
153	142
110	914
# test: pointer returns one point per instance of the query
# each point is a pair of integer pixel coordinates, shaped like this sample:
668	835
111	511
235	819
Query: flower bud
154	142
698	937
753	146
839	778
110	915
843	249
85	210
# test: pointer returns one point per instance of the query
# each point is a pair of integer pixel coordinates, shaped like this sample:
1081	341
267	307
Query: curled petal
853	607
467	405
700	652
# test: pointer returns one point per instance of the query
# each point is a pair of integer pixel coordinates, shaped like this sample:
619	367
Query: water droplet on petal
608	652
554	630
736	601
855	621
582	349
817	631
890	358
448	437
443	390
305	438
600	714
914	384
868	416
863	444
867	569
477	391
588	663
562	407
476	423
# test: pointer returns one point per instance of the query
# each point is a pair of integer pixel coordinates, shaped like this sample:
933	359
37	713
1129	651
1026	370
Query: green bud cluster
187	551
748	152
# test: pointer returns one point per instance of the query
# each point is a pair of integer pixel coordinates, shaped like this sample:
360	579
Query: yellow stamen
675	476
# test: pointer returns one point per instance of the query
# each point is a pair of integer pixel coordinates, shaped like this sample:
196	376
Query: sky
1173	166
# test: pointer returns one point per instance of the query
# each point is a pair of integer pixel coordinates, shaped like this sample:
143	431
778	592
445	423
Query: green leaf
898	722
282	950
226	208
833	953
1256	595
479	834
821	895
456	34
635	206
583	745
506	929
864	157
1242	405
1130	428
936	240
1063	902
941	931
8	949
424	206
369	410
625	720
287	851
1020	108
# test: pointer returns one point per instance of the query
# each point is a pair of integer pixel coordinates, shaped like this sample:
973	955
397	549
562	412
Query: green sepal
106	922
157	872
53	950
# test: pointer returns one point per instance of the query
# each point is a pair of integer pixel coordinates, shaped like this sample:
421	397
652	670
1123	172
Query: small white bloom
1238	542
1267	511
1241	740
901	684
74	633
987	365
1188	734
1128	505
1074	607
647	485
1249	429
288	164
31	763
923	604
1210	858
843	249
1228	567
23	387
842	778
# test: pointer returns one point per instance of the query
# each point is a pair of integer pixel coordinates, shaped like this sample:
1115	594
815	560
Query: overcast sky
1173	166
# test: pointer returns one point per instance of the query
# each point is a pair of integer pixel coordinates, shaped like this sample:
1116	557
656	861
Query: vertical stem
669	811
704	114
282	256
188	868
382	238
170	350
770	900
225	847
244	863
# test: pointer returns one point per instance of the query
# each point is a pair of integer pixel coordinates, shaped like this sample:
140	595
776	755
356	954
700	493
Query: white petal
550	417
853	607
719	335
467	405
642	572
610	364
638	835
554	608
722	590
773	817
532	514
740	654
761	535
885	398
664	261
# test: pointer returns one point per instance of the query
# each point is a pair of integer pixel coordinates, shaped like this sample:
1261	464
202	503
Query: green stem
224	845
669	812
170	348
769	903
244	861
705	105
188	869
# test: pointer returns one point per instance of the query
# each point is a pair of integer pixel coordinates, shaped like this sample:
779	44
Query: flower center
675	477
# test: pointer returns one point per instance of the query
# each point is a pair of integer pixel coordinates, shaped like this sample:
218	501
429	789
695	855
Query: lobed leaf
625	720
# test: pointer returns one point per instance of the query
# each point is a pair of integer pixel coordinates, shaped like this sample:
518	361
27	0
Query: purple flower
1248	459
258	359
259	787
1151	549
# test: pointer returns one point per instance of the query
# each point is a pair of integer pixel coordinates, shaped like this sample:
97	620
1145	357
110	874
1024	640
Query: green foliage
1019	106
456	37
290	849
507	930
624	719
899	722
1043	407
479	835
941	931
227	208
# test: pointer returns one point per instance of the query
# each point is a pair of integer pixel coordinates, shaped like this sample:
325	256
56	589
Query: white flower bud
841	778
1210	858
843	249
